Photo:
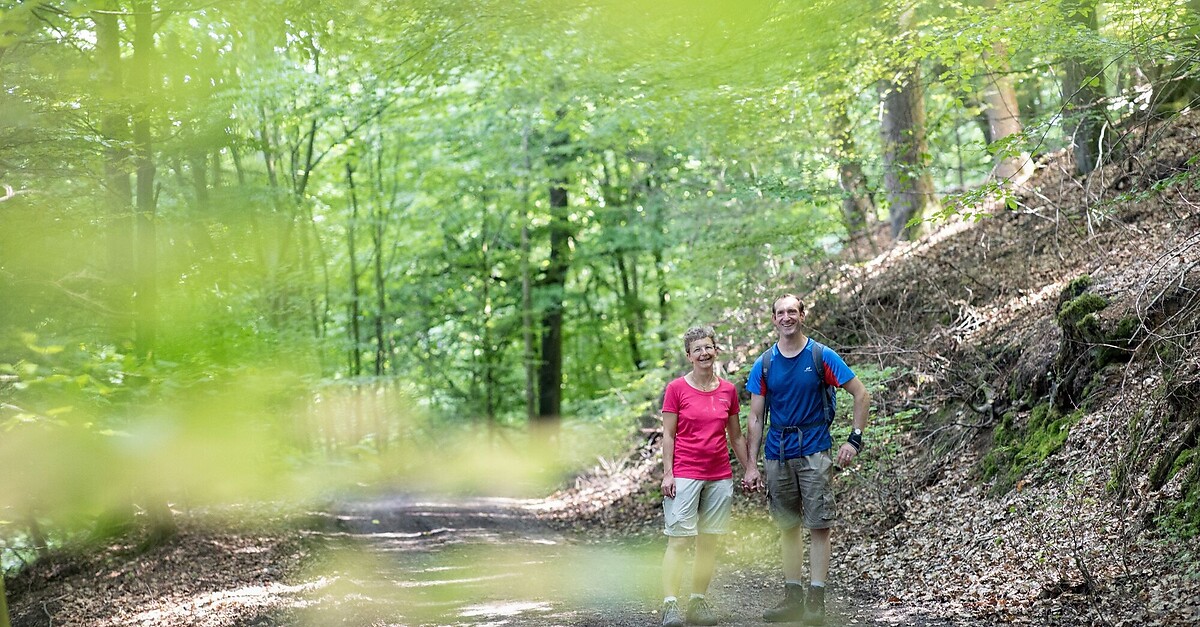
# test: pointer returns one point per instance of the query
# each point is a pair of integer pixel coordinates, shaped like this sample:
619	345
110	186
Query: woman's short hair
697	333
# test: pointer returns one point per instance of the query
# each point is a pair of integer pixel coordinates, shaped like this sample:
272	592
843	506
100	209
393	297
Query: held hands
668	486
752	481
846	453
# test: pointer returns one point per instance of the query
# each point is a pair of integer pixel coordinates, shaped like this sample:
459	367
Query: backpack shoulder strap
825	390
766	392
818	353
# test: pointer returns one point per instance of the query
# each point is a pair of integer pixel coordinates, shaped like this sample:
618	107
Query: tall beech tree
906	179
1003	113
554	279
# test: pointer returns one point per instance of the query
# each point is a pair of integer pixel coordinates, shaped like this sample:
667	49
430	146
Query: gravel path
418	561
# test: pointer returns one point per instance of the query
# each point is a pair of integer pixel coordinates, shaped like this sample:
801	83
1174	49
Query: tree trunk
1176	84
114	126
554	285
4	620
355	330
161	520
658	226
1004	116
906	179
631	307
37	537
858	209
529	357
1083	89
550	368
527	329
146	295
908	184
381	346
377	233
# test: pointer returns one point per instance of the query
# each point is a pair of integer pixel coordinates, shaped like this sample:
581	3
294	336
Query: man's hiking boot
699	612
672	617
790	609
814	608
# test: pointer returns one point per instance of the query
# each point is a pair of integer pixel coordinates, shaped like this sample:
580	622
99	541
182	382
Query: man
798	465
700	424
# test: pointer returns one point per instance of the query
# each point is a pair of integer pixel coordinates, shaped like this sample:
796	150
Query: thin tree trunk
4	620
858	209
657	220
146	297
355	331
161	520
381	348
529	356
489	354
550	371
114	125
630	307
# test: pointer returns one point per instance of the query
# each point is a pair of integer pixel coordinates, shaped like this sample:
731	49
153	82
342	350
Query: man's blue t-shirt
795	399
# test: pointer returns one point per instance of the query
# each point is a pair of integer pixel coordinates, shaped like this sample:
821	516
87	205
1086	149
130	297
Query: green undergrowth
1182	520
1018	449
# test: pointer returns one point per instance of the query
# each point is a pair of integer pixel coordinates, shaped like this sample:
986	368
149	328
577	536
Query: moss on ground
1017	450
1182	520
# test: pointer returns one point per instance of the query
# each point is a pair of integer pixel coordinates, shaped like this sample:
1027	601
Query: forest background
259	251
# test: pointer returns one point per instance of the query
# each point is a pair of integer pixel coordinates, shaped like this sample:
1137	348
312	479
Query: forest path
406	560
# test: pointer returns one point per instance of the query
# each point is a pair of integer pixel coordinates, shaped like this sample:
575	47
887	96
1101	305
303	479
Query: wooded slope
1035	378
1045	361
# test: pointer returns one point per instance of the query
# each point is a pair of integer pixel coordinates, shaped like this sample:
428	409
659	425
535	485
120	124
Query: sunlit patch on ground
505	609
192	610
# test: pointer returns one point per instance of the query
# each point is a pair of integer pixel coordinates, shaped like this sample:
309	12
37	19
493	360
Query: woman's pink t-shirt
701	448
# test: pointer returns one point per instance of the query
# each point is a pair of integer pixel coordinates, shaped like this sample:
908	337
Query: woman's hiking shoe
672	617
814	608
699	612
790	609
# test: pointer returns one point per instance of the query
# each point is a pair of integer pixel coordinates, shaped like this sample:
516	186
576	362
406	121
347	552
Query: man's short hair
697	333
775	304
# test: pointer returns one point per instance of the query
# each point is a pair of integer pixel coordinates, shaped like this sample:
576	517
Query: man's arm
670	428
754	431
862	407
733	430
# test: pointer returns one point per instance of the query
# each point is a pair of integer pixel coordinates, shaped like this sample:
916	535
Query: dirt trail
419	561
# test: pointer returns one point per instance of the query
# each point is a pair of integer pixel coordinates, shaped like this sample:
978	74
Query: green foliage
886	431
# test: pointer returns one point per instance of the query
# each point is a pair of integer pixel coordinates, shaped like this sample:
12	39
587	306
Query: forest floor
1030	482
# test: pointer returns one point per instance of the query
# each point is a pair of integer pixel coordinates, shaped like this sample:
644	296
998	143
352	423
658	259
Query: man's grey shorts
698	507
800	491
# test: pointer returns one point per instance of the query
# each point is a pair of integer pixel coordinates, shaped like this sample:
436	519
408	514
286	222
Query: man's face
787	316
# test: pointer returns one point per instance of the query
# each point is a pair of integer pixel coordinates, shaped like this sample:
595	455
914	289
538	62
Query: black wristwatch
855	439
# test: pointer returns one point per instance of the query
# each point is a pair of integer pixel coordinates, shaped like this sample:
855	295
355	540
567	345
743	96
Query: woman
700	424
